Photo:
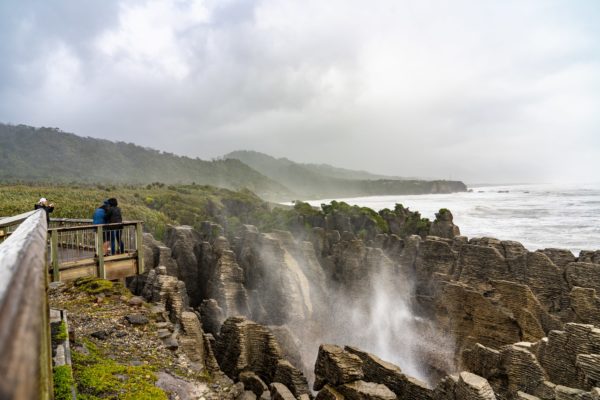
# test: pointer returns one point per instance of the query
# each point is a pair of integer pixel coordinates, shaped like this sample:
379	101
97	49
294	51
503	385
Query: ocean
539	216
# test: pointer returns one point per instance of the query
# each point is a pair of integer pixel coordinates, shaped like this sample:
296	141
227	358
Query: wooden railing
9	224
25	267
25	352
80	250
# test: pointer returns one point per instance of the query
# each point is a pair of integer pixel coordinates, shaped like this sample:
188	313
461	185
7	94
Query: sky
479	90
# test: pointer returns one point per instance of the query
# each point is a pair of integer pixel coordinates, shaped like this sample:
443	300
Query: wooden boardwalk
32	255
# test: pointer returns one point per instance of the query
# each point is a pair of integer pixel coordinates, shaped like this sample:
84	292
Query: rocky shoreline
488	319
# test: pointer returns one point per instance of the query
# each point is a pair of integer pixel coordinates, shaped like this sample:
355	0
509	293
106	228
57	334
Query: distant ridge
252	157
48	154
51	155
326	181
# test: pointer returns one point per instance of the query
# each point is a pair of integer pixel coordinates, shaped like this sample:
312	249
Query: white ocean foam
539	216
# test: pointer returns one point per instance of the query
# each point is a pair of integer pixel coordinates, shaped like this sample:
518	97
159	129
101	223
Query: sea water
539	216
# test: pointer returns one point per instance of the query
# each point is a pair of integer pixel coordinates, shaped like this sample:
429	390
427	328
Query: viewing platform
32	254
75	247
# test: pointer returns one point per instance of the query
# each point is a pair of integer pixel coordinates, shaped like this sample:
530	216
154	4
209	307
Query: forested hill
47	154
264	161
325	181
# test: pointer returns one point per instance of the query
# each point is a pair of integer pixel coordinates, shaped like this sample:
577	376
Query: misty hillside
266	161
48	154
321	181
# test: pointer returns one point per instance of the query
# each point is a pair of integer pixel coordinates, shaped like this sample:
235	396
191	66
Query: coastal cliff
453	318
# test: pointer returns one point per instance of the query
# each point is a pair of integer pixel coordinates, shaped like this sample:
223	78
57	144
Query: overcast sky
480	90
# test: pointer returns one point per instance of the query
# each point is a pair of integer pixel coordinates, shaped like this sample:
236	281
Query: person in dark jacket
99	218
48	208
113	216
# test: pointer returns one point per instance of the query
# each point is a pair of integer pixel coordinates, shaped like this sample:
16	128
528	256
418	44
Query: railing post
139	246
100	251
54	256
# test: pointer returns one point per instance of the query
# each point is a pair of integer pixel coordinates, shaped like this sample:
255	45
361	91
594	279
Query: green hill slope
322	181
47	154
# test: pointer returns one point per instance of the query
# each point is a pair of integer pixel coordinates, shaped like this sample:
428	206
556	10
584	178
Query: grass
156	204
99	377
63	382
93	285
62	334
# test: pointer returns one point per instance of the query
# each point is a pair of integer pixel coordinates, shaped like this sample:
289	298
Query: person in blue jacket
100	217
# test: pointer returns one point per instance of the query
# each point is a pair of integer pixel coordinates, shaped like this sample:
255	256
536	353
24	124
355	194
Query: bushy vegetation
156	204
159	205
355	212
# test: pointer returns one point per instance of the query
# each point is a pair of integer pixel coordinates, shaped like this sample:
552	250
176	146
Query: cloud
478	91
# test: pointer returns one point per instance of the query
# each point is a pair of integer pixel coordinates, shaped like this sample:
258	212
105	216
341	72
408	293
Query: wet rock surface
494	319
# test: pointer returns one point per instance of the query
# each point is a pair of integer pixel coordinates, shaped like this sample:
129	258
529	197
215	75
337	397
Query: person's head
113	202
43	201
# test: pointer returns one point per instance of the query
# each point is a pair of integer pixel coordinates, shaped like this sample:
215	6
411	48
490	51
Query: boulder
361	390
335	367
291	377
253	382
329	393
280	392
473	387
378	371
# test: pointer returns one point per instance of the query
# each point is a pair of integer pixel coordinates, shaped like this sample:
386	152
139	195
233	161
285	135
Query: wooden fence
25	352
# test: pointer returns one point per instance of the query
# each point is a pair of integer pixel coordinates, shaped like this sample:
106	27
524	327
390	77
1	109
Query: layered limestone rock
496	292
564	364
336	367
183	241
589	256
181	328
166	290
586	305
249	352
209	268
512	369
283	277
350	373
390	375
558	354
443	226
155	254
583	274
352	265
224	277
499	310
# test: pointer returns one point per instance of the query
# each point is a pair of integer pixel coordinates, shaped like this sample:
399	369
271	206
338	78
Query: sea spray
361	299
